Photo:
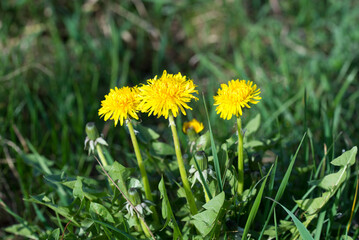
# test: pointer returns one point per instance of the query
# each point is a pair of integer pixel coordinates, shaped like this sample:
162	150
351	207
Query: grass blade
303	231
202	178
271	186
255	207
320	224
214	150
282	186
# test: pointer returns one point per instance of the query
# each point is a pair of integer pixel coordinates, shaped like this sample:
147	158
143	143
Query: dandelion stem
186	186
100	154
145	230
240	157
145	181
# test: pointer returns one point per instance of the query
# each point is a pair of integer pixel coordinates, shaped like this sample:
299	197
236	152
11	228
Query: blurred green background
59	59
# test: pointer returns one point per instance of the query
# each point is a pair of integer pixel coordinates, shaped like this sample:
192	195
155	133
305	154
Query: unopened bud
134	196
91	131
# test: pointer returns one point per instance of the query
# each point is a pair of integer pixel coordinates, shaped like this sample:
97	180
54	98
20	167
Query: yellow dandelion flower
168	93
120	104
194	124
235	96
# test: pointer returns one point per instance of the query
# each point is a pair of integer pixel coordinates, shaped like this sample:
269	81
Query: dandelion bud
134	196
91	131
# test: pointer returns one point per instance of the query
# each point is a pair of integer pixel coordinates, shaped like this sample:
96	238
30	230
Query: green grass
59	59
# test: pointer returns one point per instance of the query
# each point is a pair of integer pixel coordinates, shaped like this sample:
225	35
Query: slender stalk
145	230
145	181
186	186
100	154
240	157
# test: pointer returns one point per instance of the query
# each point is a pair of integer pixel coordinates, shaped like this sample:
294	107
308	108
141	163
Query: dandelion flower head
120	104
168	94
232	98
193	124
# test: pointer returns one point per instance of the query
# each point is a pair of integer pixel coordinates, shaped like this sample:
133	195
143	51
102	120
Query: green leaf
303	231
253	125
55	234
231	142
38	161
332	181
345	237
347	158
119	174
100	210
161	148
22	230
313	205
118	171
145	134
63	211
123	233
77	191
255	207
252	144
203	142
205	221
134	183
284	226
59	178
216	203
167	211
89	188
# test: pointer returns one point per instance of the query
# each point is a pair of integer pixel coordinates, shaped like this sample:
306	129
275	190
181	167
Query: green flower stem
145	181
186	186
240	157
145	230
100	154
